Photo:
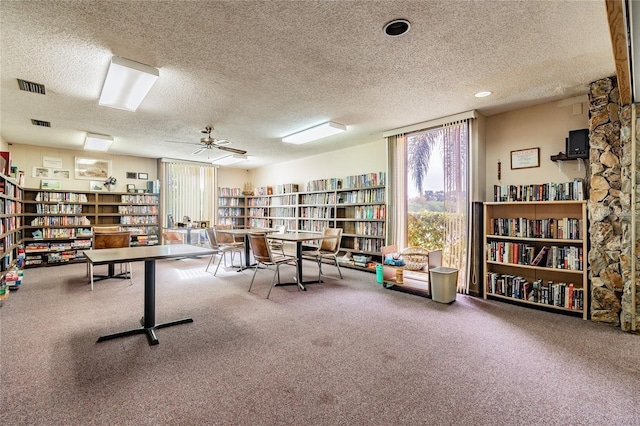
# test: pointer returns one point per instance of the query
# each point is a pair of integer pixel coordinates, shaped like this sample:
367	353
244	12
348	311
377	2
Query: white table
299	238
148	254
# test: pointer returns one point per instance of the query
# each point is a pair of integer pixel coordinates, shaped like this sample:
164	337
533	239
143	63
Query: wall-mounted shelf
563	157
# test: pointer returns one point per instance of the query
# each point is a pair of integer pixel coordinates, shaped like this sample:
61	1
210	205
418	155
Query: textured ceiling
259	70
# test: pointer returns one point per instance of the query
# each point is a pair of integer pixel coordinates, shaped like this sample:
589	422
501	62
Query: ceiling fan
208	142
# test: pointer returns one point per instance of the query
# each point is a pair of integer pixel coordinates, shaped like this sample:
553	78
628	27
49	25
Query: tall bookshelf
11	208
231	207
58	224
536	252
357	204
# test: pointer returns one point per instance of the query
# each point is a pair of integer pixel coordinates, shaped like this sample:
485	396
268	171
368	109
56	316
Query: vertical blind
190	190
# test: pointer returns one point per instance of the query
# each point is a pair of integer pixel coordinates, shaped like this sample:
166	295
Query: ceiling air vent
41	123
29	86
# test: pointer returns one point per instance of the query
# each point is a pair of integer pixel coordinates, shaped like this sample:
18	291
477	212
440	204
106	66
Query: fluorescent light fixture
230	159
95	142
127	84
317	132
482	94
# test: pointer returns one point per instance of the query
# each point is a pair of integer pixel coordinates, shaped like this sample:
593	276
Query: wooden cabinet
58	224
536	254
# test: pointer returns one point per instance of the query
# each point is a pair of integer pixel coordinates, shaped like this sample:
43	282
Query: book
536	260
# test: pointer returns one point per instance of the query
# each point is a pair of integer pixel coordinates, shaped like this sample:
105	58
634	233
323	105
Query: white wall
362	159
26	157
545	126
229	177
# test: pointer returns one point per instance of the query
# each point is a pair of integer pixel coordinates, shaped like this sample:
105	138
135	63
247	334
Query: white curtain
189	190
396	190
456	199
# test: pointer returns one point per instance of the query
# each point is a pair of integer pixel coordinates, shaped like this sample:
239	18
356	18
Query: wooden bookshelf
357	204
58	224
516	232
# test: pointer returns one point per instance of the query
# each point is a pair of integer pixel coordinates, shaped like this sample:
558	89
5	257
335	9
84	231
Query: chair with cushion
328	249
106	240
224	243
264	256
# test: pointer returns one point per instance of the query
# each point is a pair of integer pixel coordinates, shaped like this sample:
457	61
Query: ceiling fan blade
198	151
234	150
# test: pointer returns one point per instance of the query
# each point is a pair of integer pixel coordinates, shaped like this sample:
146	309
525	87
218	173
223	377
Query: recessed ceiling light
482	94
397	27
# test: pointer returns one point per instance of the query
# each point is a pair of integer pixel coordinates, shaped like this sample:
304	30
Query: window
189	192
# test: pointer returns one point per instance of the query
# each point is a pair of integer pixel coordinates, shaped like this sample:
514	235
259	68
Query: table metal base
149	331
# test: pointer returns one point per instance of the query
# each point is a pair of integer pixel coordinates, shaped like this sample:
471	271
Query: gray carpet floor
345	352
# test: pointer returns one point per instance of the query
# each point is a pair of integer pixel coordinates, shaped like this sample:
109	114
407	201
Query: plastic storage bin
443	284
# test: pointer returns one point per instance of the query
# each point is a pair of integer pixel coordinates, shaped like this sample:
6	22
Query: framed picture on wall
132	175
96	185
143	176
60	173
525	158
41	172
49	184
92	168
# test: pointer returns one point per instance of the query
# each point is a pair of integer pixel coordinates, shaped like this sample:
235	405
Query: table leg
148	321
111	273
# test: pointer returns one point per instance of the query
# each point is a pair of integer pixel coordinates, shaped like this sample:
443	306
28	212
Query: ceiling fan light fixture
316	132
94	142
230	159
127	84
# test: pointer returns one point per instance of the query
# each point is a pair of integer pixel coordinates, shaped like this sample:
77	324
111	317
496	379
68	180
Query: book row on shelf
61	196
324	184
10	207
62	233
60	221
317	198
9	223
558	294
367	179
522	227
229	192
230	202
138	220
363	196
283	200
555	257
552	191
370	212
230	212
59	208
145	210
282	211
43	246
316	212
139	198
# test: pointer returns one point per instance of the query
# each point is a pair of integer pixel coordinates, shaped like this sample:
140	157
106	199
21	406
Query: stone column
631	242
605	206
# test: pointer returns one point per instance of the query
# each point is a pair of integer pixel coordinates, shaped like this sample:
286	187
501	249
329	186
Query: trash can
443	284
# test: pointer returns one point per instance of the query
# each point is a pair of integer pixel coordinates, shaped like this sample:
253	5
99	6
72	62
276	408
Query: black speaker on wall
578	144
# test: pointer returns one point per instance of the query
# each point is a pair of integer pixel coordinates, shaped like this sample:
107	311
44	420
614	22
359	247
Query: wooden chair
105	240
172	237
224	243
328	249
264	256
